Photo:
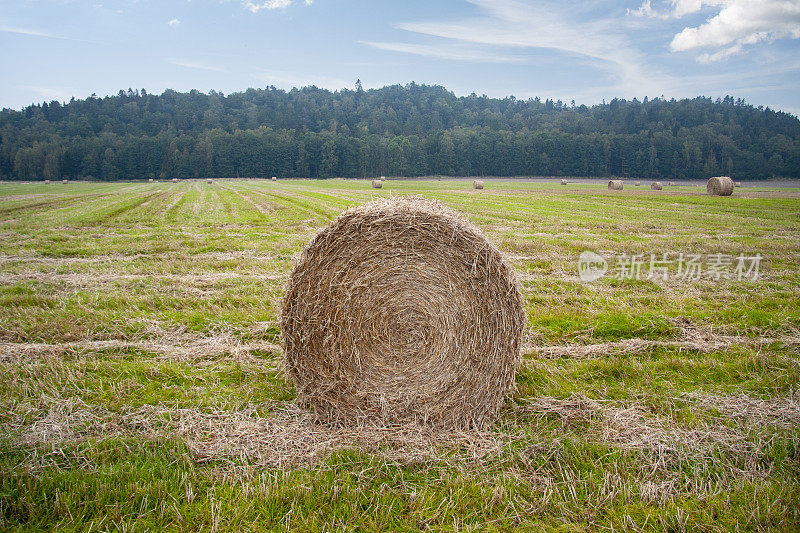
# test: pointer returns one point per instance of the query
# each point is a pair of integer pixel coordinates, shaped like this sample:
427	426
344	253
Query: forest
411	130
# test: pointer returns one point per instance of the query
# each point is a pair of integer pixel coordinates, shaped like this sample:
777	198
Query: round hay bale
656	186
719	186
377	184
401	311
174	180
672	184
477	184
63	181
737	183
563	182
150	180
47	182
383	178
638	183
209	180
615	185
274	178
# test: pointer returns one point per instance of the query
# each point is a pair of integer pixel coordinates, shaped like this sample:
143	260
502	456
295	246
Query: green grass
138	324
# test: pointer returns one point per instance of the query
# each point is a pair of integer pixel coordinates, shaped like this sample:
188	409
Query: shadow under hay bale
401	311
719	186
477	184
377	184
615	185
656	186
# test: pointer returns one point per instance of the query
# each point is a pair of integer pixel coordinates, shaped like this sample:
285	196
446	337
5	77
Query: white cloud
735	24
173	22
255	7
197	65
457	52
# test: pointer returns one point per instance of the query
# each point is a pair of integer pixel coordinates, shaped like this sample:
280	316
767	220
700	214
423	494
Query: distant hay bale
672	184
637	183
383	178
47	182
174	180
719	186
274	178
209	180
615	185
656	186
401	311
377	184
737	183
150	180
63	181
477	184
563	182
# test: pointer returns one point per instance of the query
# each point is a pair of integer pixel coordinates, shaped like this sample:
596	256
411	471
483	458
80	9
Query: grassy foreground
141	384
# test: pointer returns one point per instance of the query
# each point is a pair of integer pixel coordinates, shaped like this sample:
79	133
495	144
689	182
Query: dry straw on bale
719	186
563	182
377	184
656	186
615	185
401	311
477	184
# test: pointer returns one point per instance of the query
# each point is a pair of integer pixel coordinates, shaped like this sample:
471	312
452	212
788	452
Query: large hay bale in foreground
377	184
563	182
719	186
615	185
401	311
656	186
477	184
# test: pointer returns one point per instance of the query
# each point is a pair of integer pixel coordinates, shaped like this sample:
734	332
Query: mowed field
141	384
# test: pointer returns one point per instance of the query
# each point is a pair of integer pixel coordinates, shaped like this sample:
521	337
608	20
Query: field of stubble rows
141	384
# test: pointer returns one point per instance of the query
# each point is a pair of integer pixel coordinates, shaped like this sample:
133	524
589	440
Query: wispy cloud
255	7
173	22
198	65
39	33
513	24
457	52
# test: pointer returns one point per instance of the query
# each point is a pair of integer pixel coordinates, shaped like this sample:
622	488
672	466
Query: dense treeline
413	130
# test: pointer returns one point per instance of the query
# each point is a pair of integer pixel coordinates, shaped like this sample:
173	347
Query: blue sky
587	51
